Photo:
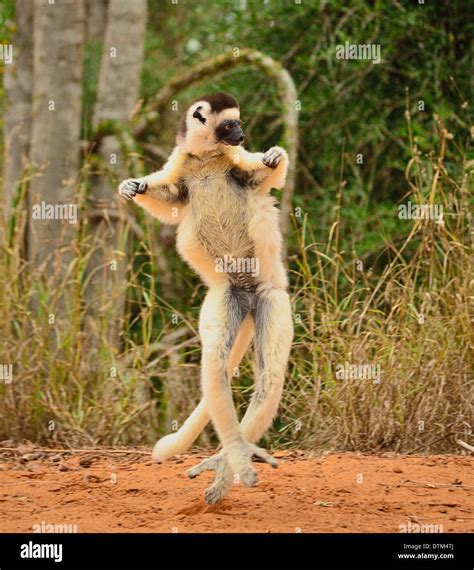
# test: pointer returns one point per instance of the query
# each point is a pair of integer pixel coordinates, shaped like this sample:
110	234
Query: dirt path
103	492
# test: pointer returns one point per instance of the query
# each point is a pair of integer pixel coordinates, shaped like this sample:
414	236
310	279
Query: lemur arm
161	193
170	172
269	168
165	202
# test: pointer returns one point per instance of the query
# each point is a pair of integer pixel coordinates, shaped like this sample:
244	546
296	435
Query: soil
117	490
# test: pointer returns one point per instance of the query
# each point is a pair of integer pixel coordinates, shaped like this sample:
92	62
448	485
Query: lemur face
230	132
210	121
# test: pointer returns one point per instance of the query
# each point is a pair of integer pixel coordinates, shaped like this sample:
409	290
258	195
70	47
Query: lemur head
211	121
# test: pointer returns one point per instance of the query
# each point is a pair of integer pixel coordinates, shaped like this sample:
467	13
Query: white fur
262	231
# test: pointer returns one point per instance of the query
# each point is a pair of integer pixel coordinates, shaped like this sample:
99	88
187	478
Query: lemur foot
273	156
212	463
215	493
224	478
262	455
131	187
222	483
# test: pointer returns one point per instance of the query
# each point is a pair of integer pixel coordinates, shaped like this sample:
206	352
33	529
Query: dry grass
409	315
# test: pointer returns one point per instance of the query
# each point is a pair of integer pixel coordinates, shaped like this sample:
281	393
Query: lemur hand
131	187
273	156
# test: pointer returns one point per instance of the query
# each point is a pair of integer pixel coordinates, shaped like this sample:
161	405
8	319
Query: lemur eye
227	128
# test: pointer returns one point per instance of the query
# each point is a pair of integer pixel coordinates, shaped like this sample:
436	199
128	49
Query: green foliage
363	104
408	118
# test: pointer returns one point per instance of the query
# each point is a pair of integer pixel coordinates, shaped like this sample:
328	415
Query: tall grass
410	318
403	308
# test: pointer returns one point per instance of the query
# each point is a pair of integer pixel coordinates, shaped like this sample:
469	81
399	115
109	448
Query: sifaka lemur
218	194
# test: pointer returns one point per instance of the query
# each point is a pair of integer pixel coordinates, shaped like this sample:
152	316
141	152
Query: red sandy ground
108	491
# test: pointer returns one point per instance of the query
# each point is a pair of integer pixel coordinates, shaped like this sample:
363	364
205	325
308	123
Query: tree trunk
118	90
56	129
96	18
17	84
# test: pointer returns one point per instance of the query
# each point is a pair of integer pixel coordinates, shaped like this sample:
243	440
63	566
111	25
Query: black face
230	132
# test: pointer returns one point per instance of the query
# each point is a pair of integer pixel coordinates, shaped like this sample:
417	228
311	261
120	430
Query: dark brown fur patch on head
219	101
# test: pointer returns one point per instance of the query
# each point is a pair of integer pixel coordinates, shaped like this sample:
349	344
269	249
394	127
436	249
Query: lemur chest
219	211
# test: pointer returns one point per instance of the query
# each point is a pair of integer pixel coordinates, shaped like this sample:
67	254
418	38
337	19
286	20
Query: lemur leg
273	338
221	315
179	442
222	312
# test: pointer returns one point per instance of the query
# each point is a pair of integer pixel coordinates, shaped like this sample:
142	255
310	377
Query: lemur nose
241	138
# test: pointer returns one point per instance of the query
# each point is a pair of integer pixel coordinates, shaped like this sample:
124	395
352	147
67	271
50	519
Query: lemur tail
181	441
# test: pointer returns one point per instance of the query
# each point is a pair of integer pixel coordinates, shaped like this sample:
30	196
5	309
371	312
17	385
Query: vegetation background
103	343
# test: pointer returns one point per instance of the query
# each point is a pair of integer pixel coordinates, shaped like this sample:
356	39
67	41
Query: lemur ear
197	115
